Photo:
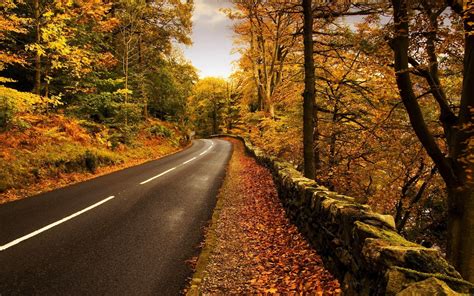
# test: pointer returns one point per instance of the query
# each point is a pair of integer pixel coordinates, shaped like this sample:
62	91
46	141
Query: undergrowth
41	150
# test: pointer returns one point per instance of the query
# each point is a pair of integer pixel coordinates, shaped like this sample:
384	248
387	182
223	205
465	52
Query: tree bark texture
37	79
309	91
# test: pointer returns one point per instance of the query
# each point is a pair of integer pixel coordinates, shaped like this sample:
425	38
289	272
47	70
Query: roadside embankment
42	153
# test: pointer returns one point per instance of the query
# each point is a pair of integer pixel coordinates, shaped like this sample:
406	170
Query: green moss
160	131
431	262
428	287
387	235
456	284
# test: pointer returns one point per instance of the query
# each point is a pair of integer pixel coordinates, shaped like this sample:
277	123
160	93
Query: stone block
429	287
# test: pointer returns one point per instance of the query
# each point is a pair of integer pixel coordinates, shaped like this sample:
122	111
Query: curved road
126	233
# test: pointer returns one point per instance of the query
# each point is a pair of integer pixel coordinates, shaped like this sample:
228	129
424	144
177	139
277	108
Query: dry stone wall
360	246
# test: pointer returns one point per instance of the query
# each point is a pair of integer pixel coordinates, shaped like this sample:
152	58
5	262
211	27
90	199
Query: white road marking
157	176
189	160
49	226
34	233
207	150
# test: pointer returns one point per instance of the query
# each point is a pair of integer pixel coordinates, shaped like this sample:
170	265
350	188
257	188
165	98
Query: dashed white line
187	161
34	233
157	176
49	226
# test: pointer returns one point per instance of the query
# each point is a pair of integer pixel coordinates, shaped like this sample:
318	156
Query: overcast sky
212	37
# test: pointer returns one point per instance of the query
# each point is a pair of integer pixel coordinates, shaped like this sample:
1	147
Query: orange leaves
271	256
271	290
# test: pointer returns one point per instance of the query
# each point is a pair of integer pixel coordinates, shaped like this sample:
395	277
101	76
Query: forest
372	100
89	84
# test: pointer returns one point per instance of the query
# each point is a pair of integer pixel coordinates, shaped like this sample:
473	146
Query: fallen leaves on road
258	251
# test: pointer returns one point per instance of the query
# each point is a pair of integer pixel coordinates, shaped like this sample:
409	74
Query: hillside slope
43	152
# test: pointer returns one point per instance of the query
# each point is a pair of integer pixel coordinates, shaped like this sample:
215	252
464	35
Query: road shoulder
250	246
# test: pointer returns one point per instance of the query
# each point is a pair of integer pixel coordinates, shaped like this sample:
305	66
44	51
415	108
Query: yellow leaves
61	32
17	101
10	23
39	49
271	290
5	80
106	60
108	25
7	58
48	14
124	91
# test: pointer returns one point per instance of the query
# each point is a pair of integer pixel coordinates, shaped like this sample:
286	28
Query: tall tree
207	103
145	33
60	43
268	31
309	91
10	23
456	168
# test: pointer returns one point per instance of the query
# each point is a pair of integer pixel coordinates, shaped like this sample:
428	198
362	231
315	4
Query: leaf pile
257	249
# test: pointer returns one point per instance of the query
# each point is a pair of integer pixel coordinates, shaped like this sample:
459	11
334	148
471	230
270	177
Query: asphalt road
126	233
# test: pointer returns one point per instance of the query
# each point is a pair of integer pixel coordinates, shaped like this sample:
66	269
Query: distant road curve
126	233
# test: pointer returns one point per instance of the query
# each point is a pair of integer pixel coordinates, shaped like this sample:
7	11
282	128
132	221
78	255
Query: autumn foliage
387	113
75	96
257	249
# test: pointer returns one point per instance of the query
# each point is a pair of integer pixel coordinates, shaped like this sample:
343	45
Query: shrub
129	113
160	131
100	107
122	134
13	102
91	161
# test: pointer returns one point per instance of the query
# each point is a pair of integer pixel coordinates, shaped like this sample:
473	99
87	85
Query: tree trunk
214	121
461	198
405	87
316	144
126	61
309	91
461	231
261	105
457	169
333	139
37	79
256	70
47	82
142	76
271	110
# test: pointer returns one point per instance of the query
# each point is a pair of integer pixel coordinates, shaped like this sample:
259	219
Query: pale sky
212	37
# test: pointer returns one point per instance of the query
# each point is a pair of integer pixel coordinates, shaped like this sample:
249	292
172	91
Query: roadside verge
250	246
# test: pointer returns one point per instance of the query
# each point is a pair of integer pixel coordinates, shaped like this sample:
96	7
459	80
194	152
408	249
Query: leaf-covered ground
254	247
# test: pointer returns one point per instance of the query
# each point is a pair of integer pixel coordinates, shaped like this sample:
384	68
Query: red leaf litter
257	250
